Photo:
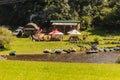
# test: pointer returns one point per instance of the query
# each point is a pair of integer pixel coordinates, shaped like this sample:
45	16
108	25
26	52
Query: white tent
74	32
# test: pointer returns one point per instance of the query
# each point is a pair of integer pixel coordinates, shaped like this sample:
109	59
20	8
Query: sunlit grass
25	45
18	70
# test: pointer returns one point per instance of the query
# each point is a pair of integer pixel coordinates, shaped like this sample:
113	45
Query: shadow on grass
4	49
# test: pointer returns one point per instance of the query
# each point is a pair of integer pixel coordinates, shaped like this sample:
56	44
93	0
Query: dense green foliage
5	38
19	70
92	13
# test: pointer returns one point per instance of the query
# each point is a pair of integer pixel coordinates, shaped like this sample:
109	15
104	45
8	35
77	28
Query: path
110	57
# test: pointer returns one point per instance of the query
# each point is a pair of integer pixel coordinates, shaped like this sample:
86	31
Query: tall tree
97	13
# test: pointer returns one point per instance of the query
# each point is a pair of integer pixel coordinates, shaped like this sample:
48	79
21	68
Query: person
81	48
76	40
84	37
71	39
94	46
19	34
34	38
37	31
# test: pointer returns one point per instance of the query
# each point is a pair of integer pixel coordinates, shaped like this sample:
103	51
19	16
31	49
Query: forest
104	14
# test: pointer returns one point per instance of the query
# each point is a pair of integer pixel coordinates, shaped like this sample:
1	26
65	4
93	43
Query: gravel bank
108	57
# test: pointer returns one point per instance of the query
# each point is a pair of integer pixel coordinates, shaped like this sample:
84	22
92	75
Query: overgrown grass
19	70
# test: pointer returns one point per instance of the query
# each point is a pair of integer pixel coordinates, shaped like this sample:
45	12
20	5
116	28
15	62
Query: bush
5	38
98	39
118	60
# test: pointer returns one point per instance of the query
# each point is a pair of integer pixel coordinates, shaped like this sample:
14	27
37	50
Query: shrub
5	38
118	60
98	39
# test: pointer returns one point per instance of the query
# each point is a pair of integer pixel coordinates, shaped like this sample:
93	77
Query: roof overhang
64	21
66	24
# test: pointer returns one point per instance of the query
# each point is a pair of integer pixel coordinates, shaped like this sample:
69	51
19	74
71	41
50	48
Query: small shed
30	29
65	25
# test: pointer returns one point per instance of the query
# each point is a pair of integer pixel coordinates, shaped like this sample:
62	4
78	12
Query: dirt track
108	57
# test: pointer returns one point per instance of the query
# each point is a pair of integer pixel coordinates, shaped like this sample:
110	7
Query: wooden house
65	25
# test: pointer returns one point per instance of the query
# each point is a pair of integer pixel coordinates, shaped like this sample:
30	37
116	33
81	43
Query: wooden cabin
65	25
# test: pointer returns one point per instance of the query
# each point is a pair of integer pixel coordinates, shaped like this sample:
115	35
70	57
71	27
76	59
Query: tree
97	13
112	21
5	38
87	21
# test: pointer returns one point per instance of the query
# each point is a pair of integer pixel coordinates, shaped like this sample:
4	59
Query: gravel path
108	57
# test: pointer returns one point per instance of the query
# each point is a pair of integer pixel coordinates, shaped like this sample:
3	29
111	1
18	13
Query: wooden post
64	28
54	26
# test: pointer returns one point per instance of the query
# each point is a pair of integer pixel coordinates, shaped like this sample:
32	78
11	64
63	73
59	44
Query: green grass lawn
21	70
26	46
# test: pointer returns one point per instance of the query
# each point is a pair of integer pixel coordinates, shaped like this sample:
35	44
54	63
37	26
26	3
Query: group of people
76	39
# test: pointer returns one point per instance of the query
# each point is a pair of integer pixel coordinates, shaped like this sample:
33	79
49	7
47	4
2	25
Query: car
17	32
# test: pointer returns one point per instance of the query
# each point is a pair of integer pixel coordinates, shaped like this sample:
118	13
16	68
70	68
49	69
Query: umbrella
74	32
59	33
53	32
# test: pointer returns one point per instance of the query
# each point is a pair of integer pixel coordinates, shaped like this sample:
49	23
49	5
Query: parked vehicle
18	32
